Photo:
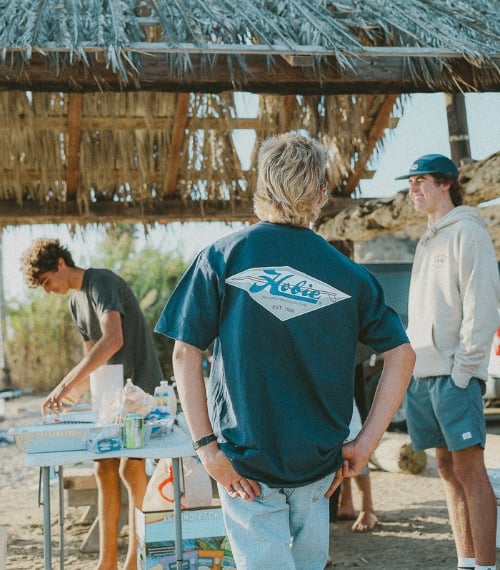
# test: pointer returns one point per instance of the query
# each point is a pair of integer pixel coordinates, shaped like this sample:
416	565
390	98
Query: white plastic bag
196	486
129	399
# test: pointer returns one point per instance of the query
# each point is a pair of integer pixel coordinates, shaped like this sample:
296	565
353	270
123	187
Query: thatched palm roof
158	157
327	46
126	110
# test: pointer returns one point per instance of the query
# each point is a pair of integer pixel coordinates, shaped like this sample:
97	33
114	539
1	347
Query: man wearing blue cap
452	315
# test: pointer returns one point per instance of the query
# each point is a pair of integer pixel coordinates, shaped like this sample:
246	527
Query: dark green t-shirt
103	291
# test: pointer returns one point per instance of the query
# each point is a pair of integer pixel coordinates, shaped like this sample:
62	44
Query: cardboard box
203	540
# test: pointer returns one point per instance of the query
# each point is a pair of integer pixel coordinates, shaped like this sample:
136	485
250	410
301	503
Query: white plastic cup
105	381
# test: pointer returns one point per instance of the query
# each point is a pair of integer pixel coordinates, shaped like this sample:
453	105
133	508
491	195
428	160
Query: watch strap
204	441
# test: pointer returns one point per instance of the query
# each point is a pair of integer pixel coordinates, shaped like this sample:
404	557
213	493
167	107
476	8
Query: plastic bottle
161	394
165	397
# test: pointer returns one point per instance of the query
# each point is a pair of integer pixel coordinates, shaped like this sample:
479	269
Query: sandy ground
413	530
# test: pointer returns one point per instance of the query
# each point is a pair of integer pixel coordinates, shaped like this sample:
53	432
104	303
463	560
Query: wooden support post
178	136
75	105
457	127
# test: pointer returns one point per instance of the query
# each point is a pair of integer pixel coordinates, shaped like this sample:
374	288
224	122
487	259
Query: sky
422	129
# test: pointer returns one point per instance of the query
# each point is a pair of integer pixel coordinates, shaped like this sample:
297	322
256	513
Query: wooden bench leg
81	491
89	515
90	543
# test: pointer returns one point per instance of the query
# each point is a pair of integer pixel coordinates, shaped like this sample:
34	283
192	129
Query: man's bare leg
133	474
367	518
471	472
471	503
345	511
108	508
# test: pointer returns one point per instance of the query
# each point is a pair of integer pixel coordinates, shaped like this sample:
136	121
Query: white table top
174	444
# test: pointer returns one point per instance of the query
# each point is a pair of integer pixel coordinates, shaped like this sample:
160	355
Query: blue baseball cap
432	164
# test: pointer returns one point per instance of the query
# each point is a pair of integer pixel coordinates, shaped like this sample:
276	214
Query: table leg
177	514
45	501
60	478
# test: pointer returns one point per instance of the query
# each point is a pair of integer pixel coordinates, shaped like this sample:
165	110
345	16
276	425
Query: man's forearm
396	375
188	374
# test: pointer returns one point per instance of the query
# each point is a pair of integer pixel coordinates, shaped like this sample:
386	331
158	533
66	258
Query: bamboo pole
4	368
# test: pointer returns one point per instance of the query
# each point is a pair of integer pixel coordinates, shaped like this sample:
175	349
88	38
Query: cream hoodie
454	298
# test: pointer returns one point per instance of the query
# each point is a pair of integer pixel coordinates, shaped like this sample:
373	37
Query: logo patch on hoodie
440	260
285	292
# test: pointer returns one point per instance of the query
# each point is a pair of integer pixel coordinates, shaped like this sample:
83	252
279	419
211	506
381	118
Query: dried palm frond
470	28
125	150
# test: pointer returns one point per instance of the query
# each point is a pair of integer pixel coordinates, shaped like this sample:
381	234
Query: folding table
174	445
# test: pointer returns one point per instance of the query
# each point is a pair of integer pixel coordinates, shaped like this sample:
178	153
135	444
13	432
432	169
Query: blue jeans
283	529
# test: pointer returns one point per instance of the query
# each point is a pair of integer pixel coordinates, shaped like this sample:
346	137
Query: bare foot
345	514
365	522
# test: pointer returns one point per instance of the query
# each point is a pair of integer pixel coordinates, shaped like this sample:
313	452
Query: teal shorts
439	414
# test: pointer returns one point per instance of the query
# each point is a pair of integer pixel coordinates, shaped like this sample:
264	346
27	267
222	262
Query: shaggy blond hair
290	182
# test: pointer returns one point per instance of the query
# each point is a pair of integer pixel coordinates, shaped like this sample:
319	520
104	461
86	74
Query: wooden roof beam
73	144
284	50
156	72
160	212
127	123
178	134
110	212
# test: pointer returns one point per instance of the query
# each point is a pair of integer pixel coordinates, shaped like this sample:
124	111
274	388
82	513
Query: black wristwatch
204	441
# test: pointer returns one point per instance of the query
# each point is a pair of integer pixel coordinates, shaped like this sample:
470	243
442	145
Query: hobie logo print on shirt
286	292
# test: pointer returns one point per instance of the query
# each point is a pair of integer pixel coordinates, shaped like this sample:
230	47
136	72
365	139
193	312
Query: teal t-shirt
285	311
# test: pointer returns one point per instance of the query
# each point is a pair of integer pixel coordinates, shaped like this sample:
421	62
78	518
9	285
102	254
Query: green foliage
43	342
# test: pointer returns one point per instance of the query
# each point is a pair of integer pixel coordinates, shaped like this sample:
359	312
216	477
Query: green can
133	428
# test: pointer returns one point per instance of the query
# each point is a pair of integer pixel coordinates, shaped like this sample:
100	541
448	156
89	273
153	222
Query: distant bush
42	342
